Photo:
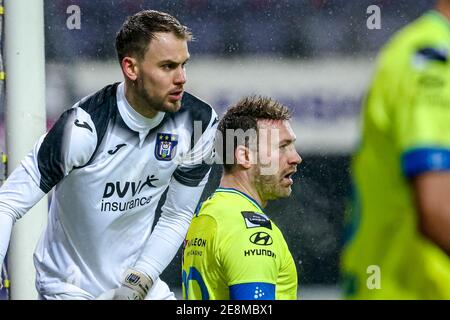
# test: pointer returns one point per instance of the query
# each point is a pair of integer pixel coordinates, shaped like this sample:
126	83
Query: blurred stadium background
316	56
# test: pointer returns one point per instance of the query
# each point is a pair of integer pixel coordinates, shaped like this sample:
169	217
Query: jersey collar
232	190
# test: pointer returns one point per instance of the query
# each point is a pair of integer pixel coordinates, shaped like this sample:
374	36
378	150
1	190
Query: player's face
278	160
162	74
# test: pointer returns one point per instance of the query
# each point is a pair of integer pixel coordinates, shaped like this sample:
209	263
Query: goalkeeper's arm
6	223
18	194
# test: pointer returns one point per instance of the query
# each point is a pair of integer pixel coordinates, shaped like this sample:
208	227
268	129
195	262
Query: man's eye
285	146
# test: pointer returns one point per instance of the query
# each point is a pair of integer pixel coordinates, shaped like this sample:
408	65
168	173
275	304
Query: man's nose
180	77
295	159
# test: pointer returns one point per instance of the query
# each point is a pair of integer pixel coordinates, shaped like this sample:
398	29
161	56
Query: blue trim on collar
233	190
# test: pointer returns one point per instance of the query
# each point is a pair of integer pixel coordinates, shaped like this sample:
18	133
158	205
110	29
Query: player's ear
243	156
130	68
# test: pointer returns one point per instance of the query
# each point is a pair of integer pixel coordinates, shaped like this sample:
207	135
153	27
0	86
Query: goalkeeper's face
277	160
159	77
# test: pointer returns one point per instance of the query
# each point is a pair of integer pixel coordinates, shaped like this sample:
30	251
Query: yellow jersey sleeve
415	74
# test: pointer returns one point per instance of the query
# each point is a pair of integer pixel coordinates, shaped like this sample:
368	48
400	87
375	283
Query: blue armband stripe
252	291
417	161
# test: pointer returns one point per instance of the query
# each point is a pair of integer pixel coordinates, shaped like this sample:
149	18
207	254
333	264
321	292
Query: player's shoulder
425	35
234	214
213	206
191	102
222	204
197	109
81	128
100	102
91	115
75	127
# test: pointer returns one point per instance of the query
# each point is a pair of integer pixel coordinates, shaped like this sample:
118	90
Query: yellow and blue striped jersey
234	251
406	132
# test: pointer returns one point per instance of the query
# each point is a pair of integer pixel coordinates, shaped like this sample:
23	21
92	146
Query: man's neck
240	182
137	102
443	6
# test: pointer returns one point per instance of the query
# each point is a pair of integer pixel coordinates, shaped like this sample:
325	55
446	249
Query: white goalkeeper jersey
110	166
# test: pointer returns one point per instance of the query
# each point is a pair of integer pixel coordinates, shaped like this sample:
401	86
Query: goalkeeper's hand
135	286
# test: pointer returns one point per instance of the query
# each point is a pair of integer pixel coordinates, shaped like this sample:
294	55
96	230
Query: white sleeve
17	195
171	227
70	143
184	193
6	223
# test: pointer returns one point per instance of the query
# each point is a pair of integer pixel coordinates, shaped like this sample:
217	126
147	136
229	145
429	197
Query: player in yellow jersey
233	250
398	232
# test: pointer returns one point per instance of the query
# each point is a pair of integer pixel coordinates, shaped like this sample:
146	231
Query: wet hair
138	30
244	115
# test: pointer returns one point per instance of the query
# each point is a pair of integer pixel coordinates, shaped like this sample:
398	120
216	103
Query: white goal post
25	120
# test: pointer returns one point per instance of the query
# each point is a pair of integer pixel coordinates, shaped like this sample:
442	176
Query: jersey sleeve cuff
420	160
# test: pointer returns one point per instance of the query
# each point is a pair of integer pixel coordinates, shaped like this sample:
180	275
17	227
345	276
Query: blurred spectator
398	231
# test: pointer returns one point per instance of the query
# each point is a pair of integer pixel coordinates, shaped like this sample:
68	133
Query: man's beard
269	186
155	104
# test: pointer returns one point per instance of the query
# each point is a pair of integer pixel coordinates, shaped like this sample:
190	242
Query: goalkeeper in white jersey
109	159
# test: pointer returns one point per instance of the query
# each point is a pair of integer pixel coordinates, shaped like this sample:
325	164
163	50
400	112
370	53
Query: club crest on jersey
166	146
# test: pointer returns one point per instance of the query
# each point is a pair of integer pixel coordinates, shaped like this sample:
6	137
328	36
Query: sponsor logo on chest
129	189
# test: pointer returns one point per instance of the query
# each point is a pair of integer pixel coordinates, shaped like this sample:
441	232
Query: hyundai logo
261	239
